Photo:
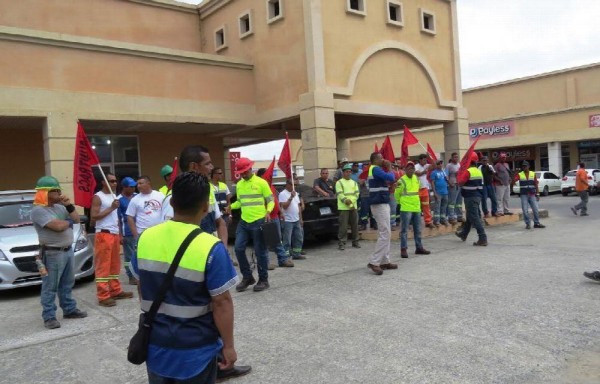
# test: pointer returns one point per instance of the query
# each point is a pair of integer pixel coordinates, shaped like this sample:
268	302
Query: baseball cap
128	182
344	160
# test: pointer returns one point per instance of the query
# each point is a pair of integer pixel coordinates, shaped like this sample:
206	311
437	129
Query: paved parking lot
518	311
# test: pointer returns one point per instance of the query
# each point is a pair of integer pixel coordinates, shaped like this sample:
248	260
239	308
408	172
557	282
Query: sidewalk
517	311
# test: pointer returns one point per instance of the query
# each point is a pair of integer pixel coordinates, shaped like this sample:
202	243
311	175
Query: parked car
19	243
568	181
320	214
548	182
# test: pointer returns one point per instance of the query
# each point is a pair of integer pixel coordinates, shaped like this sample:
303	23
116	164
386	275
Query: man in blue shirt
127	239
439	183
195	321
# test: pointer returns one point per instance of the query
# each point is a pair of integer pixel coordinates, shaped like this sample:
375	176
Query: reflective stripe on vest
379	192
475	181
220	193
408	195
347	189
254	195
184	312
526	185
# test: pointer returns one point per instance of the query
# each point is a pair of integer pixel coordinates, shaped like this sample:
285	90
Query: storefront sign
233	159
513	154
492	130
595	121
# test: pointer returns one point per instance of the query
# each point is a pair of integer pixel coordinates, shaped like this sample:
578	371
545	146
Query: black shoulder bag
138	345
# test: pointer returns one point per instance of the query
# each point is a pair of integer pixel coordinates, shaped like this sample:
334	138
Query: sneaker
460	236
422	251
389	266
287	264
376	269
76	314
356	245
133	281
574	211
123	295
261	286
299	257
341	247
236	371
539	225
51	323
246	282
110	302
527	226
590	275
480	243
271	266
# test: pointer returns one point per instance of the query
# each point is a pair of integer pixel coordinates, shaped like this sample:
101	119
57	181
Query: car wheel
545	192
564	193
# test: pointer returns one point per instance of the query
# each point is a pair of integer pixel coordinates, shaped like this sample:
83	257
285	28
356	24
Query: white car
548	182
568	182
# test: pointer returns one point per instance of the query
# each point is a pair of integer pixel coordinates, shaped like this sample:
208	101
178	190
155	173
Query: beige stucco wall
346	36
107	19
21	158
277	50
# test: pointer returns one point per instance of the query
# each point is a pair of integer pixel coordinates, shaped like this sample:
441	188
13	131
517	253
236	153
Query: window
220	39
245	23
117	154
395	13
427	22
274	10
357	7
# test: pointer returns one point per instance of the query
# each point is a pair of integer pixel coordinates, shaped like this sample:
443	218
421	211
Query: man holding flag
471	181
421	170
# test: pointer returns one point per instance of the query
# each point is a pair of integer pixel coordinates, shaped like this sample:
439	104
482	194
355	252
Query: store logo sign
491	130
595	121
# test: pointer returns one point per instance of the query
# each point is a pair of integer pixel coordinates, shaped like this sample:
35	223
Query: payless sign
492	130
233	159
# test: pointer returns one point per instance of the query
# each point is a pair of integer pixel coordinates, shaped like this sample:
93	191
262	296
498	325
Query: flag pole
291	164
106	181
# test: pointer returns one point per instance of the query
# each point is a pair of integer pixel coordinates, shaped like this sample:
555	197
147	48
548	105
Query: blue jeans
293	236
532	202
207	376
473	218
440	207
454	203
60	280
129	245
408	218
393	205
282	254
244	233
489	192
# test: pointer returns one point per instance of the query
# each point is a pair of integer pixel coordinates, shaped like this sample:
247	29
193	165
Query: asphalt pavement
517	311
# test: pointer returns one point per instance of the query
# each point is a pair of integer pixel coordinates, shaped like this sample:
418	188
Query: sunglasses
112	181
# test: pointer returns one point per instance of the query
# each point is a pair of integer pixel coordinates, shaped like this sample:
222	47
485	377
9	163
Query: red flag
409	137
404	152
432	157
376	149
387	151
466	159
285	158
84	183
268	175
173	174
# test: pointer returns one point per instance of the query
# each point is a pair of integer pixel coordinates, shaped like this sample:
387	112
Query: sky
504	40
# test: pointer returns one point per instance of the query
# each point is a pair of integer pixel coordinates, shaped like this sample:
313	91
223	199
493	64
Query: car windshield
15	215
571	173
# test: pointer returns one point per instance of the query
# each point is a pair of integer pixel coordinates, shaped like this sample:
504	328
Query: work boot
261	286
422	251
299	257
246	282
460	236
403	253
287	264
110	302
376	269
584	214
480	243
341	247
527	226
76	314
389	266
271	266
236	371
355	244
123	295
133	281
51	323
539	225
593	275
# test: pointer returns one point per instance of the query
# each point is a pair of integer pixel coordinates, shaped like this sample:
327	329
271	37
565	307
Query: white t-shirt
110	222
146	209
292	213
167	209
423	182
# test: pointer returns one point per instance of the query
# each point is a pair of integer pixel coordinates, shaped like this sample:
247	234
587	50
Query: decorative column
555	158
343	149
59	133
456	134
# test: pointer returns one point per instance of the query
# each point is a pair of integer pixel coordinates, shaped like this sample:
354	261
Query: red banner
173	174
84	183
387	151
233	159
285	158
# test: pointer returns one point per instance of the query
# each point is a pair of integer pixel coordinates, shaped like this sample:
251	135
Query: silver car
19	243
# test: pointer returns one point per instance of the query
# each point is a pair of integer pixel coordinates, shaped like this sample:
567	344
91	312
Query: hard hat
243	164
347	167
166	170
474	157
47	183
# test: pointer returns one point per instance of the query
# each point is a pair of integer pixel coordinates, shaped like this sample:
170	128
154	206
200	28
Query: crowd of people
151	225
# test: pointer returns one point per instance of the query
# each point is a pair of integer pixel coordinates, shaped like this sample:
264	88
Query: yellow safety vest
407	194
252	196
346	189
165	190
527	185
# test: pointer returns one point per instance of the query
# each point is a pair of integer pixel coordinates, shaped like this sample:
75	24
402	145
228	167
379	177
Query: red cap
243	164
410	163
474	157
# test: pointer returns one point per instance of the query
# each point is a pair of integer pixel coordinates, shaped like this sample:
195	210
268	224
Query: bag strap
162	292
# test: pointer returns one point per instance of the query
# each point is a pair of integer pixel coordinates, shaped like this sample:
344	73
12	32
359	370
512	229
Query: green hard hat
167	169
47	183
